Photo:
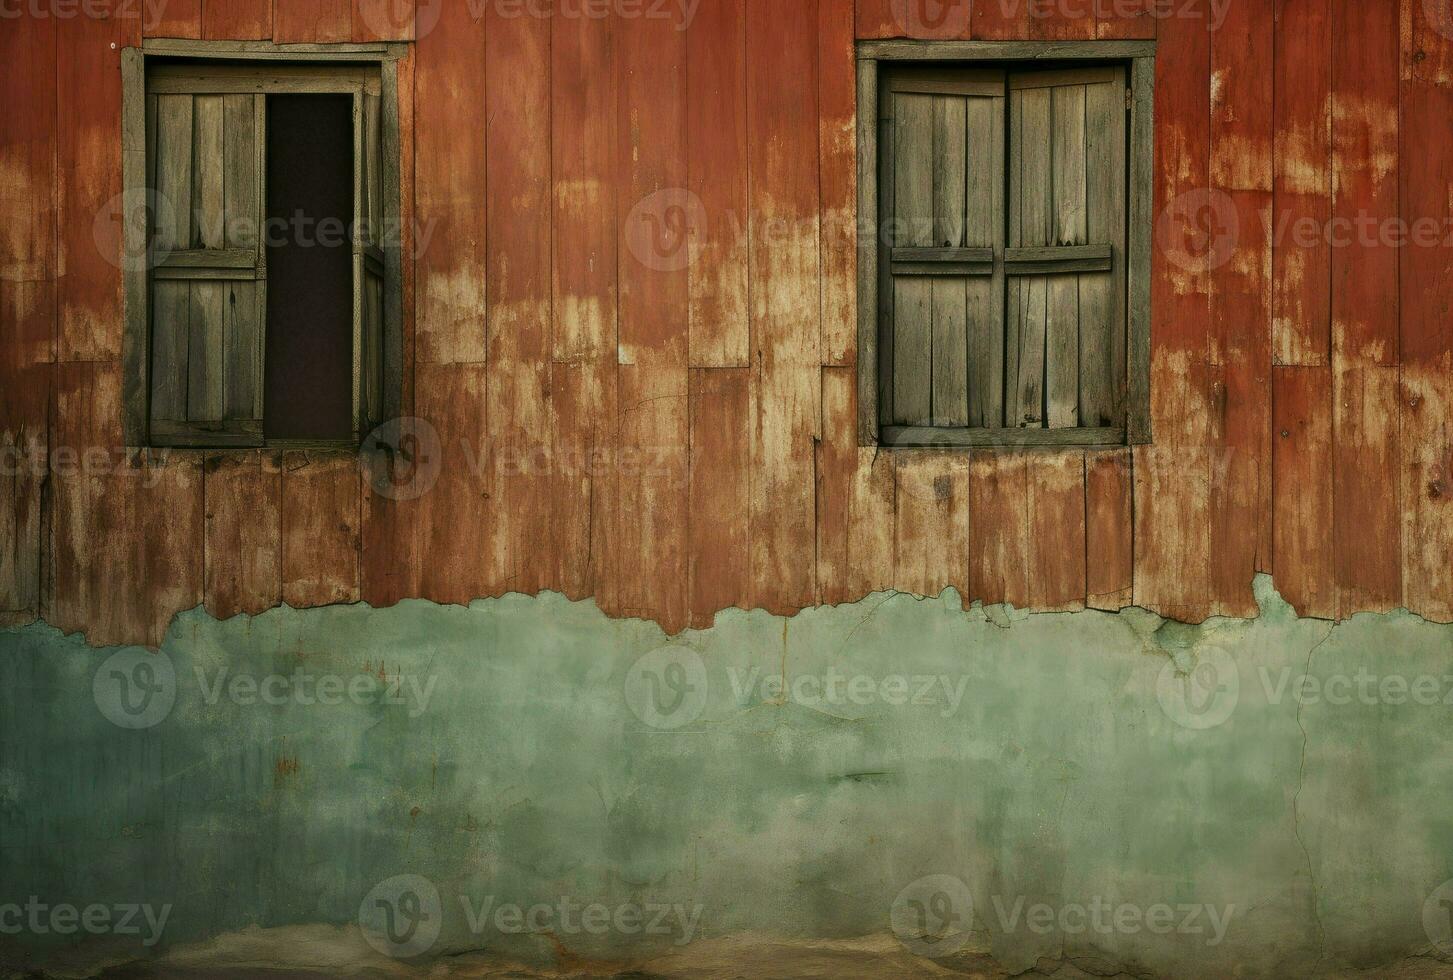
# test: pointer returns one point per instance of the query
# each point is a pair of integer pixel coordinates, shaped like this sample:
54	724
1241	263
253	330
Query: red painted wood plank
583	151
932	523
1426	441
716	140
1061	20
838	155
1056	530
997	20
583	419
391	20
1241	168
321	529
450	188
518	286
654	300
243	537
1109	540
786	298
24	461
312	21
872	530
88	169
721	435
173	18
1431	56
836	466
1425	278
999	551
1301	258
127	532
874	19
461	537
1302	477
1366	487
27	192
1172	477
1126	19
237	20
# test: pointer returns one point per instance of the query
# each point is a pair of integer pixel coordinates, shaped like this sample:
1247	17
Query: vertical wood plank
1056	530
173	18
1061	21
721	432
518	284
913	140
584	420
450	189
950	333
1365	79
836	468
25	447
1172	477
237	20
458	539
1302	482
389	20
1241	310
583	162
872	524
1302	107
1001	20
716	143
1427	481
321	529
1102	295
1068	222
1126	19
837	153
999	550
786	302
312	21
243	543
651	513
88	178
984	227
1109	523
931	523
204	352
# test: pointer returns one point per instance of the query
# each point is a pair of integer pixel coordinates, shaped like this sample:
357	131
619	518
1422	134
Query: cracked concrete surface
791	779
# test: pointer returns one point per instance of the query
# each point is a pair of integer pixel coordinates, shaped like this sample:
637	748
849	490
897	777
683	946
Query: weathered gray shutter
368	264
942	239
208	276
1065	328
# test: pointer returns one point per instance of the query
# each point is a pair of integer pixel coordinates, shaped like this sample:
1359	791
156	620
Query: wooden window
262	282
1004	283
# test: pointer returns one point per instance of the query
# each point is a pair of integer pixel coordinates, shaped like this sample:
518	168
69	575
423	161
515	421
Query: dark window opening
308	391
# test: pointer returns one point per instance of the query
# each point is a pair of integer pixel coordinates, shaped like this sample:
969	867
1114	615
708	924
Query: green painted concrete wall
531	782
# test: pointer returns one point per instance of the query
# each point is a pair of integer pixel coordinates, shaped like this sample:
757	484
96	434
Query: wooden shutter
368	264
208	278
941	289
1065	326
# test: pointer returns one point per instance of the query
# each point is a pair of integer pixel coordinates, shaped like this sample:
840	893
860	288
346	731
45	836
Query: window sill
928	437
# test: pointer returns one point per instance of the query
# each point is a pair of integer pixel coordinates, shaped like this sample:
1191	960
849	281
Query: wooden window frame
1140	58
136	269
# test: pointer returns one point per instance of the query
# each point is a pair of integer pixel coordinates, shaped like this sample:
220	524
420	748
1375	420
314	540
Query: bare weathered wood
174	155
1138	252
913	222
905	437
1102	298
869	230
958	255
984	228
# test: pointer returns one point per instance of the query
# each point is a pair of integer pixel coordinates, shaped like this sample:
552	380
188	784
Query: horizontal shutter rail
208	263
936	437
241	79
1069	76
1051	259
904	253
984	83
221	434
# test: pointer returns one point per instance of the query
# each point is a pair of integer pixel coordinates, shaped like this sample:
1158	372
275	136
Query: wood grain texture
1301	270
836	468
174	18
1127	19
25	450
1056	530
1109	524
837	155
237	20
1302	476
931	523
243	540
451	189
999	550
786	303
312	21
1240	354
321	526
460	539
389	20
721	442
716	146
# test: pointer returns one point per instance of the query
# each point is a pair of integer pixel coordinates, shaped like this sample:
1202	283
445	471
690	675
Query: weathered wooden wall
1302	395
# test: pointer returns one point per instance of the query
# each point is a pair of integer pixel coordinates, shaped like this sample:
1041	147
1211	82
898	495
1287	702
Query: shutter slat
1102	297
913	296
